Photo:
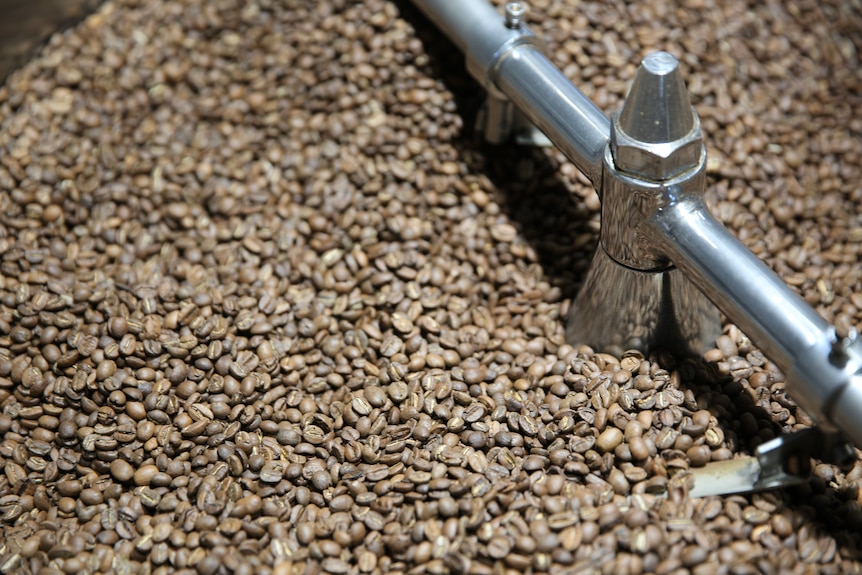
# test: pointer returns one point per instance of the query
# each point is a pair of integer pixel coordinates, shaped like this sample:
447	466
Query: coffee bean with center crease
259	317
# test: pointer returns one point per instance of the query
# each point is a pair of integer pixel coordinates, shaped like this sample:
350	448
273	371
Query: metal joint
664	260
656	145
657	161
483	64
515	12
655	158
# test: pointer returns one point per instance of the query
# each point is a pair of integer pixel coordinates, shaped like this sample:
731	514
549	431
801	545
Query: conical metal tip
657	109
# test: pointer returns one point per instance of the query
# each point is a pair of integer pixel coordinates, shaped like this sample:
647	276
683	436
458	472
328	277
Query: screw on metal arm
515	12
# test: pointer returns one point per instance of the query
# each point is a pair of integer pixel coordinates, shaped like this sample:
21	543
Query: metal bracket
500	121
781	462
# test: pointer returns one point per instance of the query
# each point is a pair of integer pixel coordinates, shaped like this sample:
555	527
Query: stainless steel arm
824	374
742	286
661	254
474	27
508	61
578	128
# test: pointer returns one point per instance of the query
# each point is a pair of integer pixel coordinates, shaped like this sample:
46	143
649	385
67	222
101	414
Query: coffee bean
698	455
144	475
231	307
693	555
609	439
121	470
498	547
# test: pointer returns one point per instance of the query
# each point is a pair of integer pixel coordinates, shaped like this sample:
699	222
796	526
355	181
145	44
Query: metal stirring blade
782	462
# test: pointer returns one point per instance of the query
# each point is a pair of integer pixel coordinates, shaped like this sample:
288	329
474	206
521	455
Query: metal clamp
782	462
665	266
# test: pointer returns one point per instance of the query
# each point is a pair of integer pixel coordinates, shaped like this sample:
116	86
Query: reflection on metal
619	308
781	462
27	24
648	166
657	134
499	121
633	296
824	373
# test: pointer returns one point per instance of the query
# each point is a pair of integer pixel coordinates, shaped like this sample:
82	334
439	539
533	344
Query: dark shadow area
555	222
563	232
828	510
26	25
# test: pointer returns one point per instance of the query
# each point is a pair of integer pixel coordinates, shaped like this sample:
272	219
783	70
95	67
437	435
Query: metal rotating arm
658	241
507	59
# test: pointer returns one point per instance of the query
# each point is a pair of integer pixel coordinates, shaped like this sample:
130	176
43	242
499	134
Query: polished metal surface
619	308
655	109
655	142
628	202
649	173
822	373
742	286
632	296
657	136
510	63
562	112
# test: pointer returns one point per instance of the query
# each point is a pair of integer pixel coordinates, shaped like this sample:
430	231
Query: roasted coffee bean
267	307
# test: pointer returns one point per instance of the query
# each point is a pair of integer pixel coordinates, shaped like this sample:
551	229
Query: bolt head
515	12
656	161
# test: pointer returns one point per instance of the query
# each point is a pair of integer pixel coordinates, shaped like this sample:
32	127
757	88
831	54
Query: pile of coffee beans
27	25
269	306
